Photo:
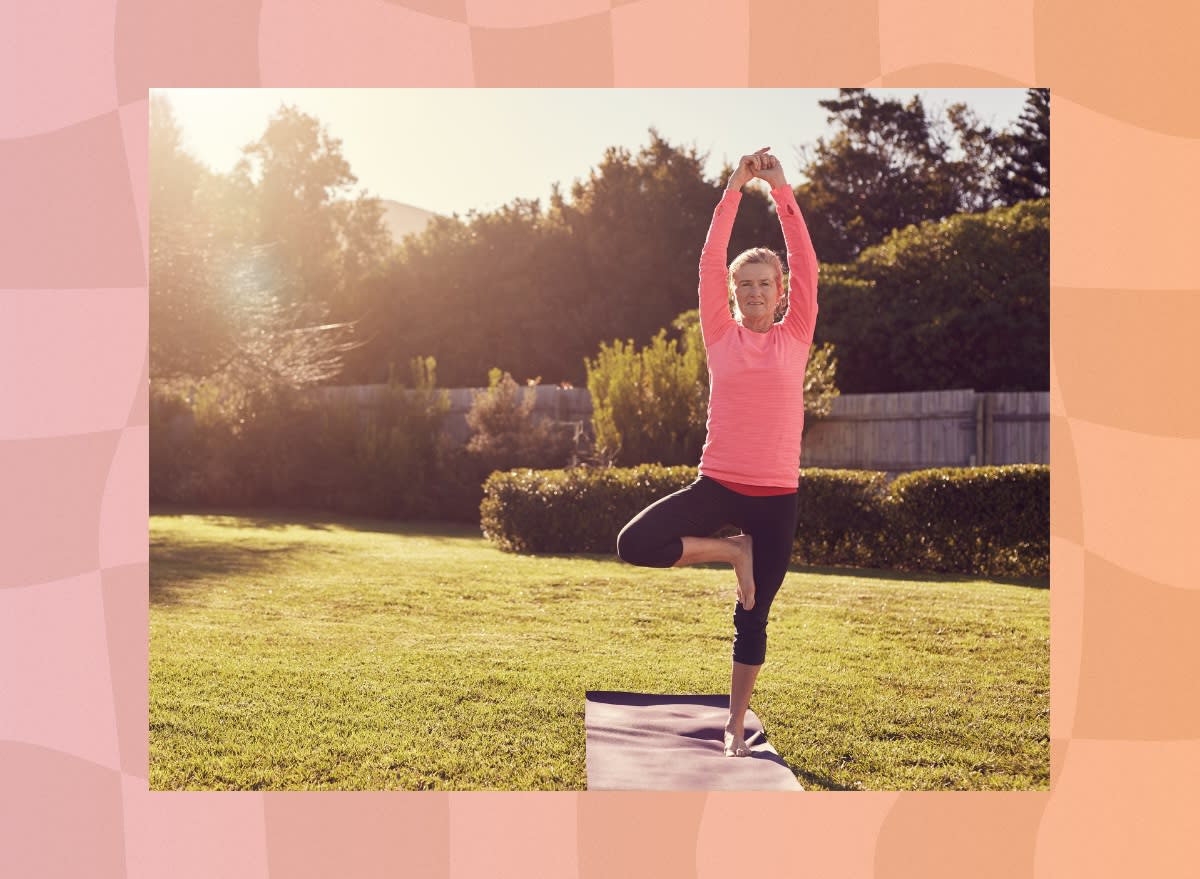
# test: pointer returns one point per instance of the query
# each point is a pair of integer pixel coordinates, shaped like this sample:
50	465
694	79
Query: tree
534	289
191	331
634	227
328	242
218	310
958	303
1025	172
875	173
888	165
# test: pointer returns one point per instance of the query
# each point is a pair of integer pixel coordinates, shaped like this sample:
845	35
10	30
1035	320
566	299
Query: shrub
287	449
171	426
959	302
842	517
987	520
577	510
386	467
649	404
993	520
507	435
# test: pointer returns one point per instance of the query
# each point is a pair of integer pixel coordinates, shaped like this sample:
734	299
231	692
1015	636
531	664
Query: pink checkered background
1125	718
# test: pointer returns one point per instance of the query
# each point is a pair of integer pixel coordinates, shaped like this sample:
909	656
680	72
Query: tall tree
888	165
191	334
217	304
1025	172
534	291
328	239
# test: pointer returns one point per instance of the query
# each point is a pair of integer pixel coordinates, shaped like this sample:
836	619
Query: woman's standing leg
771	522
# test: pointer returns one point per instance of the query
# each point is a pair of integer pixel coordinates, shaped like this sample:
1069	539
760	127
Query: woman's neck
760	325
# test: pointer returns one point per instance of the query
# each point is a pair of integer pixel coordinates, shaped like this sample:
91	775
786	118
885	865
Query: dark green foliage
877	171
577	510
994	519
842	517
991	521
650	405
886	165
961	303
1025	168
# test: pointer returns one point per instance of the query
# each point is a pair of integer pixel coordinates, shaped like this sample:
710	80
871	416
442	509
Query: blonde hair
765	256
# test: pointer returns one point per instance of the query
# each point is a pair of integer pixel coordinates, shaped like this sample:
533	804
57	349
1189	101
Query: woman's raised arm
715	319
801	317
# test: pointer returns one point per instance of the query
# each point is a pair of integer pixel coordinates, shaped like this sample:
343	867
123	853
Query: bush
649	404
991	521
576	510
506	434
842	517
171	425
960	302
287	449
192	448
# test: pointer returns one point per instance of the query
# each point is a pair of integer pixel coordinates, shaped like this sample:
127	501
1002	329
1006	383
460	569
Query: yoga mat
638	741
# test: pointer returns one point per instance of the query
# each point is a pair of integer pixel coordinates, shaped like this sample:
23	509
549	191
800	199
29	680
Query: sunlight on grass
311	652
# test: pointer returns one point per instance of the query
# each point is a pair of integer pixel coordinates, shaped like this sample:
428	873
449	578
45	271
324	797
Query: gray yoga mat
639	741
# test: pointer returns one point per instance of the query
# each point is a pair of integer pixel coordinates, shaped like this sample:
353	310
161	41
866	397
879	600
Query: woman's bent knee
639	546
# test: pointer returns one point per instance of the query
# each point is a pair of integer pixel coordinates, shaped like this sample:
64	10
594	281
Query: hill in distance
404	219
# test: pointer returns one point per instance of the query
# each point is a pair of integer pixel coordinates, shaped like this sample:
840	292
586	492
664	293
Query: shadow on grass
910	576
440	531
809	779
835	571
176	568
179	565
319	520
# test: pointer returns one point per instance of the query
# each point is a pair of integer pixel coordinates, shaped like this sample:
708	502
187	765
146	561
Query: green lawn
296	651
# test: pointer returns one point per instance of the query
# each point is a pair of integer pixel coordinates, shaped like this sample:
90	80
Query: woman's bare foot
744	568
735	743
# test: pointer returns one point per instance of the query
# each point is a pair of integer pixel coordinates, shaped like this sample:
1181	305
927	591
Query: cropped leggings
653	538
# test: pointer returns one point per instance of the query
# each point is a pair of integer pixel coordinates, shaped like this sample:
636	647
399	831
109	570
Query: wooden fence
901	432
550	401
892	432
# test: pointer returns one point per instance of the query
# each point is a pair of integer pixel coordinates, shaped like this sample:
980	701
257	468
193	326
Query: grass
293	651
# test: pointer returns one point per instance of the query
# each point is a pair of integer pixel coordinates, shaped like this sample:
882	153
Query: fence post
989	428
979	398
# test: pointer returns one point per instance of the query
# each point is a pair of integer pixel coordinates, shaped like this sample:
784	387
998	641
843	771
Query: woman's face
757	290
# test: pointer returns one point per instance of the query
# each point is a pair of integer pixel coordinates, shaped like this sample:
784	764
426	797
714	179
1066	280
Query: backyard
308	651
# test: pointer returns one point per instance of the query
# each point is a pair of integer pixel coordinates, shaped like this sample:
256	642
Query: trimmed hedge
843	518
976	519
577	510
992	521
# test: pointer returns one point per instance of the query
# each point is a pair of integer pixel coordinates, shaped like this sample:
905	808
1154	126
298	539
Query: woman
749	467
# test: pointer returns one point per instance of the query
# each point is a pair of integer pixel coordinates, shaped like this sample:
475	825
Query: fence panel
912	431
1020	428
892	432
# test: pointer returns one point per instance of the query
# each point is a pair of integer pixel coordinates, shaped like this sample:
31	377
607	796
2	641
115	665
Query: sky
456	150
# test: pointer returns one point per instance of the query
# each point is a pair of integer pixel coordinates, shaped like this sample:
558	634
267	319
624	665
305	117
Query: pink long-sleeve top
756	380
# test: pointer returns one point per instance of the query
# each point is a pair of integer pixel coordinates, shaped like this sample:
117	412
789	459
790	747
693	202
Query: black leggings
653	539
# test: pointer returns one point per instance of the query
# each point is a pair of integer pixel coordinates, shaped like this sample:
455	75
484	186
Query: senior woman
749	467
